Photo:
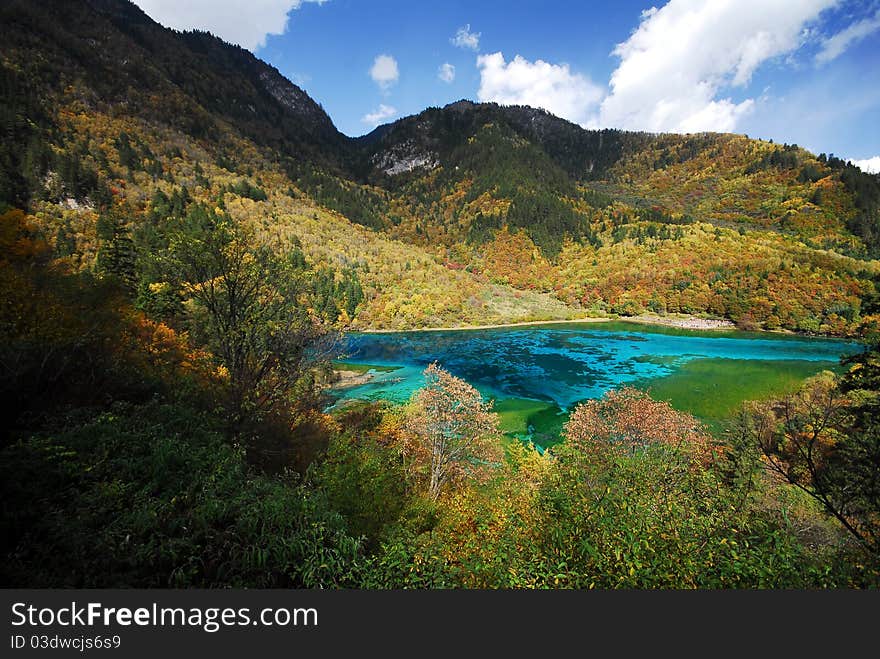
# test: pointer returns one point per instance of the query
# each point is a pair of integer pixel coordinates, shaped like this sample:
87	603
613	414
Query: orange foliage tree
452	431
626	420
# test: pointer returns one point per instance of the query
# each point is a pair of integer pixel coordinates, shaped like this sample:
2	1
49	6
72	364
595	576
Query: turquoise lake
563	364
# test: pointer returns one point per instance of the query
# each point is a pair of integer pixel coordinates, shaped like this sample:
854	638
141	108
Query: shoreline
463	328
349	379
684	322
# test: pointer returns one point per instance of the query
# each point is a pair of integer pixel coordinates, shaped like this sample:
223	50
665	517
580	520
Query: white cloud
384	71
376	117
464	38
676	66
553	87
300	79
228	19
446	72
834	46
870	165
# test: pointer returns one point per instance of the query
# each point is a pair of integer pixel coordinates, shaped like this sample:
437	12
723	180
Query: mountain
548	153
119	60
470	213
437	132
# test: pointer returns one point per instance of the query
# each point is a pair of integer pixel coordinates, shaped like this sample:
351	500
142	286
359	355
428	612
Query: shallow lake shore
348	378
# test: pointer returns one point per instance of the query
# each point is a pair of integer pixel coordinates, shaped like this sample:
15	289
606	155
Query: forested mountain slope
471	213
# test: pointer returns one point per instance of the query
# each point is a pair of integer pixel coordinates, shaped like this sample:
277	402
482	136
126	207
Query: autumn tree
453	431
826	443
626	420
246	305
628	503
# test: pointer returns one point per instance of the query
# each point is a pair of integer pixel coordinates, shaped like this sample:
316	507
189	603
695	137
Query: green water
713	389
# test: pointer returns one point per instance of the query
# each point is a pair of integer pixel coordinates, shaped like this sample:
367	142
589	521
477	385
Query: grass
713	389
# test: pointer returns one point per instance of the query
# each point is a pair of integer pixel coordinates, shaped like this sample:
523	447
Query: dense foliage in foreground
148	481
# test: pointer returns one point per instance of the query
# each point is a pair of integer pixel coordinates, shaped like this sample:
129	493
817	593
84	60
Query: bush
153	496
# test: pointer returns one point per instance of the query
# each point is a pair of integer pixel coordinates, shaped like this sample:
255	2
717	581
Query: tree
246	305
116	257
626	420
826	442
856	462
454	430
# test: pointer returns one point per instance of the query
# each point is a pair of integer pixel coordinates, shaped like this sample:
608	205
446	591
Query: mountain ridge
498	203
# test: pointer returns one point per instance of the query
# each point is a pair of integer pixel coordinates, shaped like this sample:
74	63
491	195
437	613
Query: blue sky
804	71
